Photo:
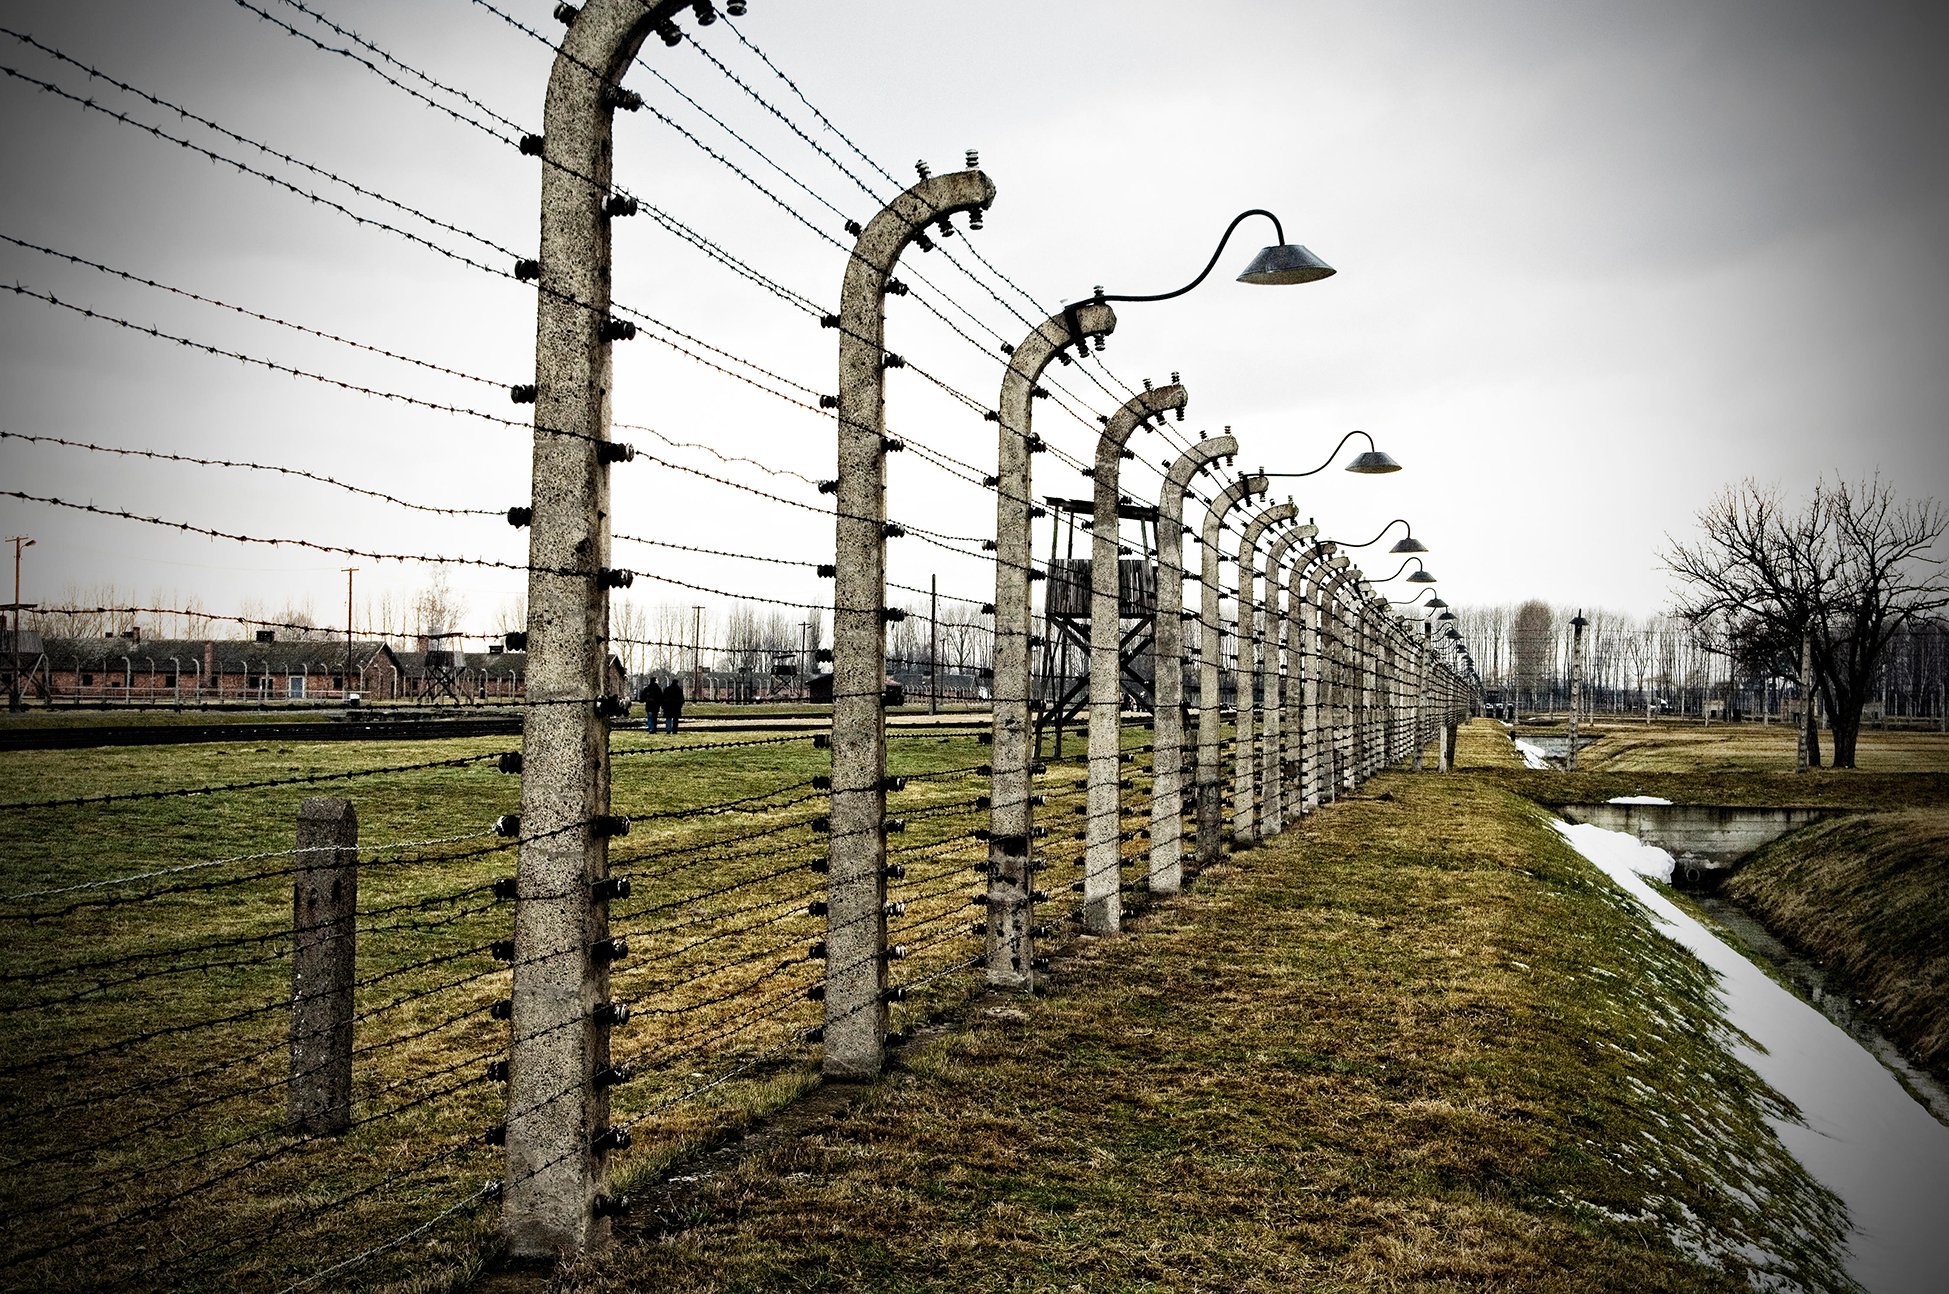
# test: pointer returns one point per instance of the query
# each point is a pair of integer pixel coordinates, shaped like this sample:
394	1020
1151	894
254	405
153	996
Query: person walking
652	698
673	703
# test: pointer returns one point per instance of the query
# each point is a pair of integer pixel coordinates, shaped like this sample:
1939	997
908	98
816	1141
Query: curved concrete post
1422	709
1011	816
1316	686
1103	827
1362	607
1211	808
1167	744
1272	760
856	1011
1338	615
1292	724
555	1111
1245	669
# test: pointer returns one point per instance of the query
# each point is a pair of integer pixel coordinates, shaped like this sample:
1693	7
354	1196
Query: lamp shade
1421	577
1373	463
1409	544
1286	263
1436	603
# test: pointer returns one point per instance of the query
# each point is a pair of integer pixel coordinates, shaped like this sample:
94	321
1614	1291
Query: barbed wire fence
301	1062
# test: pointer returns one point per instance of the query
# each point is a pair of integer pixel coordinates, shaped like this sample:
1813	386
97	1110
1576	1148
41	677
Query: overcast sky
1596	260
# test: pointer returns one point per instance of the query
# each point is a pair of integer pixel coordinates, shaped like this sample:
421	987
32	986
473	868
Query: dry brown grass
1866	897
1415	1044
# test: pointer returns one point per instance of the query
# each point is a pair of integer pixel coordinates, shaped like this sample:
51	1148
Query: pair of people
669	700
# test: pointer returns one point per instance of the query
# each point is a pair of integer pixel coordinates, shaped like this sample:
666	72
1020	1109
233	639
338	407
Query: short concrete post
1011	817
1245	674
1167	745
324	904
1211	807
1103	830
856	971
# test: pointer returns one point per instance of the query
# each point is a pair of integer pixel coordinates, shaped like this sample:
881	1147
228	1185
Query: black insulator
983	802
523	394
946	225
617	330
507	888
734	7
526	270
611	1139
531	145
1062	357
516	640
1076	887
502	1009
828	487
613	577
1038	393
613	887
814	1035
1039	963
853	228
984	739
819	865
609	824
612	1206
895	288
817	952
519	516
498	1134
923	242
611	1076
898	1039
991	415
816	993
609	950
816	908
1036	640
893	530
565	13
984	672
610	451
897	952
619	204
891	445
828	402
984	770
1033	576
1007	348
891	615
898	993
1036	445
1090	472
1038	768
497	1071
893	783
988	608
822	740
822	782
894	872
828	321
894	826
820	823
1038	800
705	14
978	900
611	707
667	32
1037	833
974	217
614	96
1038	512
508	825
510	761
923	170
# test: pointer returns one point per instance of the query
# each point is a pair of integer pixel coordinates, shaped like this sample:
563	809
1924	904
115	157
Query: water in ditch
1861	1133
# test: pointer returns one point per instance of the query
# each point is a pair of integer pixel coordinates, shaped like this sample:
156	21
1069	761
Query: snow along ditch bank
1860	1134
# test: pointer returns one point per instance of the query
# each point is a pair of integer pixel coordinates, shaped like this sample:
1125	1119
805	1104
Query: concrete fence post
1245	675
1167	744
558	1115
856	970
1211	808
324	906
1293	739
1011	814
1103	830
1281	678
1421	671
1316	688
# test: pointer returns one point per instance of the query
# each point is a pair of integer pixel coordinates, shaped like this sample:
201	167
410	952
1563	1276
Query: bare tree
1850	571
1532	645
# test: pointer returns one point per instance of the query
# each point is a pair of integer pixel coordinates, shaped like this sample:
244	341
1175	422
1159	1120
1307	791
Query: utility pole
696	652
854	1033
1577	624
345	692
554	1200
13	639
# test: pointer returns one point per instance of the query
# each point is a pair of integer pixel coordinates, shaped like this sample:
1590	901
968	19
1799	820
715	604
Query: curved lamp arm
1278	232
1419	570
1371	449
1398	521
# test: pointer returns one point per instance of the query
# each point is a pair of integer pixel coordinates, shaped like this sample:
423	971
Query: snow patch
1533	756
1636	799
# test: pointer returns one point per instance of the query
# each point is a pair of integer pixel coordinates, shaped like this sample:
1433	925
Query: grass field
144	1040
1414	1044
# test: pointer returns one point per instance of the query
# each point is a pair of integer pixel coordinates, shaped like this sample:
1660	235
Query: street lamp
1279	264
1372	462
1407	544
1421	575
